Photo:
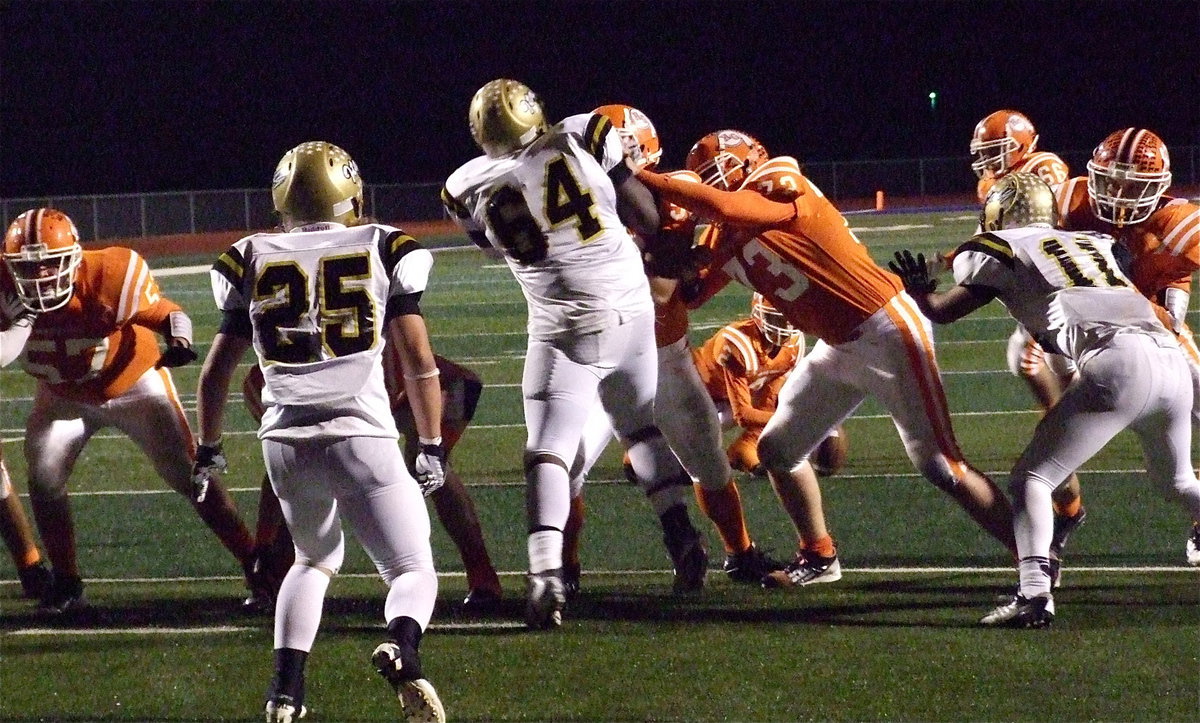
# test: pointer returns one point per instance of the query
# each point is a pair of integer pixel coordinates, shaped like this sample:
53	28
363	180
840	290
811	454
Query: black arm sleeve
237	323
403	304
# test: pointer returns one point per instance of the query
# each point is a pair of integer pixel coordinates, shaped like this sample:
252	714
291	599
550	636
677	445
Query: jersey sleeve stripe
919	347
136	274
231	265
745	348
1065	193
991	245
597	130
396	246
1185	234
453	205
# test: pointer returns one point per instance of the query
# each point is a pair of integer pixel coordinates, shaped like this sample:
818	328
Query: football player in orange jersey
683	409
1005	142
94	353
800	254
1124	195
460	393
743	367
35	577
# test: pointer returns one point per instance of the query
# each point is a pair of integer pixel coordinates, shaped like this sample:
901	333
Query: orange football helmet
635	130
42	251
1001	141
771	323
723	159
1129	172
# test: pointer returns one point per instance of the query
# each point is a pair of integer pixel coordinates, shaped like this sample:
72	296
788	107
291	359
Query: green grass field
895	639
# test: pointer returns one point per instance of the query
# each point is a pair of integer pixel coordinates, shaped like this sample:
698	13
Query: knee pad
328	562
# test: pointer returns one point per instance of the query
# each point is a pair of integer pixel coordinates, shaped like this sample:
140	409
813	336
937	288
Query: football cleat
481	602
545	599
1022	612
804	571
571	575
1193	545
36	581
690	560
64	597
1063	527
750	566
284	709
418	698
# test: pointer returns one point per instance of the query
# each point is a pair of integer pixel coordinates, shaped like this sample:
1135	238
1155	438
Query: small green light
932	100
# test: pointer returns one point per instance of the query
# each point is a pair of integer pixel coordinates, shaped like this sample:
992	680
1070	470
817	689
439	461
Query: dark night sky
113	97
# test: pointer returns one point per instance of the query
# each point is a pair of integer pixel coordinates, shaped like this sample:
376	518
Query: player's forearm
745	208
213	387
419	372
12	340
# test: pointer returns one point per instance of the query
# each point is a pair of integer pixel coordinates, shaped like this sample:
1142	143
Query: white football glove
429	469
210	459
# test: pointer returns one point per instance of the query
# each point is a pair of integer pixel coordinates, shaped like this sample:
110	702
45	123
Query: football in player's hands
177	353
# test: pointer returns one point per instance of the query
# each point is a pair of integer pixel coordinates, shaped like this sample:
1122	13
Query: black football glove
430	466
210	460
914	272
178	353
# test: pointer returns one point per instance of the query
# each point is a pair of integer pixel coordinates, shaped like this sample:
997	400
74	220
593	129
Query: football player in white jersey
315	302
1068	291
547	198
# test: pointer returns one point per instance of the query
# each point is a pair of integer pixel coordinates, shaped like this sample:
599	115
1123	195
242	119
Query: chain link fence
181	212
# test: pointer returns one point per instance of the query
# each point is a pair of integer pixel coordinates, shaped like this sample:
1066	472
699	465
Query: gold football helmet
505	116
1018	199
317	181
42	251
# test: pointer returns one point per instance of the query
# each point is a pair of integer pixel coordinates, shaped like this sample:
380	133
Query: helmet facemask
771	323
45	277
993	156
1121	195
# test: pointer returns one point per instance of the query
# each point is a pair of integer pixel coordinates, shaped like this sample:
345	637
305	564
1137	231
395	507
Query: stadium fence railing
852	184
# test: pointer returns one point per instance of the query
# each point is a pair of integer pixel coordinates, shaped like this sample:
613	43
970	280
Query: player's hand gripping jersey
96	346
320	362
576	263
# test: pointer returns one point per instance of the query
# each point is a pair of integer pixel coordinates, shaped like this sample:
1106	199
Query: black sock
406	632
676	524
289	674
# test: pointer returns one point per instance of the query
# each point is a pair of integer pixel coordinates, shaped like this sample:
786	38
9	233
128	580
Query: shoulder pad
779	179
